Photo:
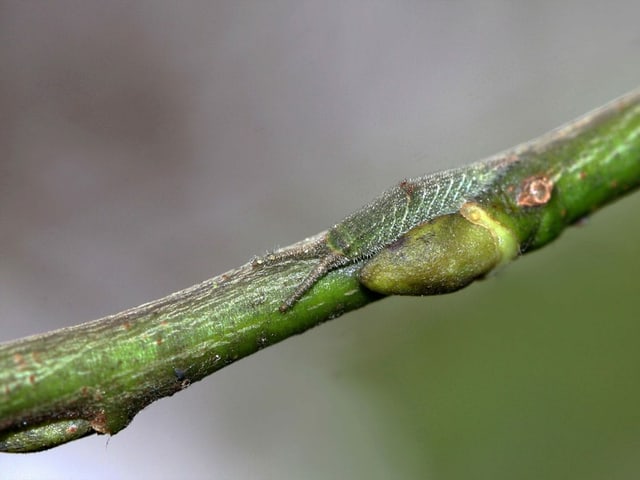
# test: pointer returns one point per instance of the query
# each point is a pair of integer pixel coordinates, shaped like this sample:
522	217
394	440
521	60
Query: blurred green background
150	145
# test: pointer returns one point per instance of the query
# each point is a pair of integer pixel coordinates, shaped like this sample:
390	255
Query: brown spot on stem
72	429
582	175
18	359
32	379
535	190
159	341
99	422
126	325
614	184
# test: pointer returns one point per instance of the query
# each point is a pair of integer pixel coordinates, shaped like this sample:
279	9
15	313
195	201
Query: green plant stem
95	377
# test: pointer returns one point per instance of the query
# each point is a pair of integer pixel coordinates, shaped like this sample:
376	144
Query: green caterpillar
410	203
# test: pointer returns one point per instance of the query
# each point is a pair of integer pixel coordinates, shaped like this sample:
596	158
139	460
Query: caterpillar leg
325	264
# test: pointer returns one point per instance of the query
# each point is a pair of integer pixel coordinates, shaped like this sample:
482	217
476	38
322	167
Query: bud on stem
442	255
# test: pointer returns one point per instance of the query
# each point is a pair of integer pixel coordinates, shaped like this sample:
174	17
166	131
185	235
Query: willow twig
429	235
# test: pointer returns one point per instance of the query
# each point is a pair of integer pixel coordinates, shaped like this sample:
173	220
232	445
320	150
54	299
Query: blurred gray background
149	145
